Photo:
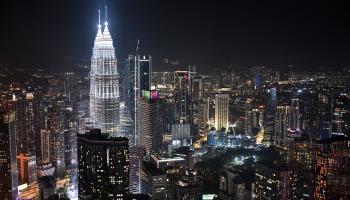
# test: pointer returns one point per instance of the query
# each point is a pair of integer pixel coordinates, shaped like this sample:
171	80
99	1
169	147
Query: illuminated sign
150	94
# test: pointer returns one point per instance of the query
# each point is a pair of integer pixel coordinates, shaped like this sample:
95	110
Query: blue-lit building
270	113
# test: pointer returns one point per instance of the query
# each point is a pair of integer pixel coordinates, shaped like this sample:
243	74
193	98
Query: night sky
204	33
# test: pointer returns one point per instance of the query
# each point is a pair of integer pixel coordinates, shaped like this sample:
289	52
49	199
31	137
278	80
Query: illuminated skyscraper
221	111
138	70
182	96
150	116
104	89
8	161
282	124
270	114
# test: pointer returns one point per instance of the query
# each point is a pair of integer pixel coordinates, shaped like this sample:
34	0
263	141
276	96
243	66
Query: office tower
135	158
294	127
138	77
332	169
270	114
340	114
8	154
27	168
153	182
126	124
27	130
197	89
203	112
145	71
45	145
104	89
324	116
221	111
249	118
276	181
150	115
103	166
282	124
182	97
181	132
56	126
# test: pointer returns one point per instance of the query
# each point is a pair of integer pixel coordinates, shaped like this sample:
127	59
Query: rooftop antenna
99	18
137	46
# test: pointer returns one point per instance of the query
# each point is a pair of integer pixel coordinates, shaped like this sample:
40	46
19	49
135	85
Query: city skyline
129	123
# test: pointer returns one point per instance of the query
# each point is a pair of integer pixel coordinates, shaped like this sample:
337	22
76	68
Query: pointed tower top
106	33
99	18
99	32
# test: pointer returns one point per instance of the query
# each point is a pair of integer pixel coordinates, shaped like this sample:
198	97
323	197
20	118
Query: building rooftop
95	135
153	170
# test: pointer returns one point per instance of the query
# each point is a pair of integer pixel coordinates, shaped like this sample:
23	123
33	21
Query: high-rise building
27	168
103	166
276	181
282	124
150	115
182	96
270	114
181	131
221	111
8	161
29	145
138	70
104	89
340	114
145	71
45	145
197	89
332	175
57	145
294	127
135	158
153	181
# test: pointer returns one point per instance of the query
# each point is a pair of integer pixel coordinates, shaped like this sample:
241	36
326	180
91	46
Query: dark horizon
239	34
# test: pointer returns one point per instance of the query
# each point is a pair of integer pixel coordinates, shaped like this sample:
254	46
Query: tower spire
106	31
99	32
99	17
106	23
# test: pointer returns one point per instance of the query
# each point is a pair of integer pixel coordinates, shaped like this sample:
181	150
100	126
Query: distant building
103	166
8	162
153	182
27	168
182	97
270	114
45	145
181	132
221	111
282	124
332	175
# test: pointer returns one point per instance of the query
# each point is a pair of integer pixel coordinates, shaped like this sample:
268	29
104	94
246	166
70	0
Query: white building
221	111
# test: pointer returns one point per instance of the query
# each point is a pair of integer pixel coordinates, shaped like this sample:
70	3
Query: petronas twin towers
104	86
